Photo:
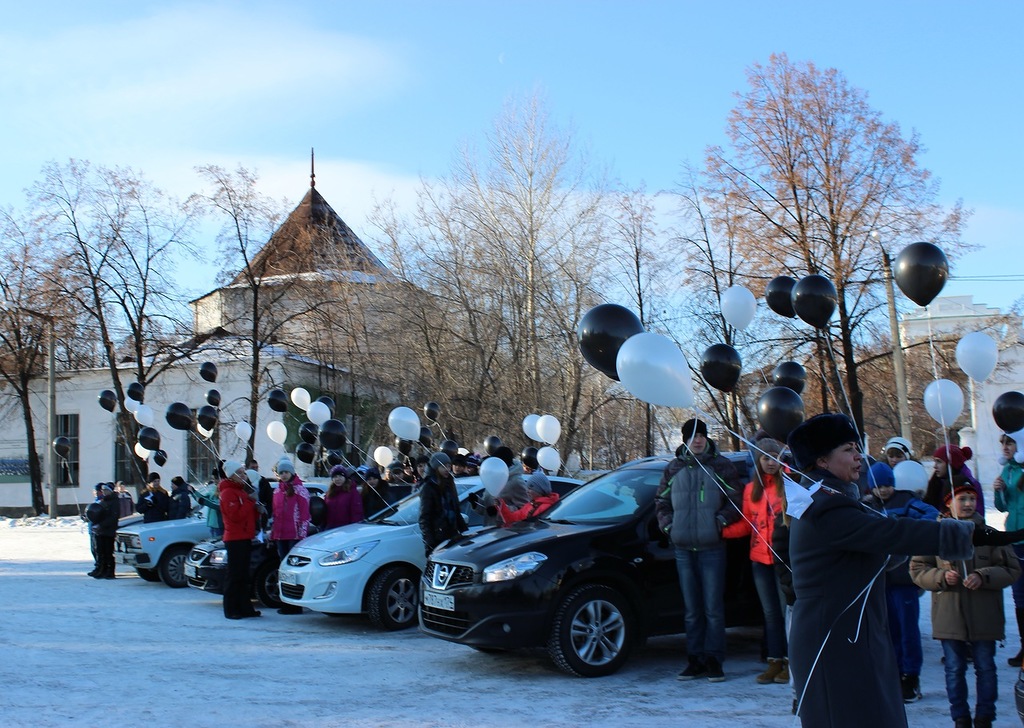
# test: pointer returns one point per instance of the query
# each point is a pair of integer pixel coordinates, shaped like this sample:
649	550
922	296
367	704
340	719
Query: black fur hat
819	436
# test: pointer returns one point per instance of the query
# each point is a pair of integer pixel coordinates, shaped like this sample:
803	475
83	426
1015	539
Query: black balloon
815	300
921	272
94	512
492	443
720	366
780	410
309	432
160	457
329	401
334	457
317	511
206	416
450	448
602	332
62	446
149	438
108	400
778	294
432	410
277	400
426	437
790	374
208	371
1008	411
136	391
305	452
179	416
403	446
529	457
333	434
213	398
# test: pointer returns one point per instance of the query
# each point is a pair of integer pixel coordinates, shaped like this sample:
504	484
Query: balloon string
945	430
849	407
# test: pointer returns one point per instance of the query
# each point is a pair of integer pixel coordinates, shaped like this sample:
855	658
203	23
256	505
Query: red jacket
762	515
238	511
534	508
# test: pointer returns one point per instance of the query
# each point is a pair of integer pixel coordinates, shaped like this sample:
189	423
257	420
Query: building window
67	468
201	455
126	464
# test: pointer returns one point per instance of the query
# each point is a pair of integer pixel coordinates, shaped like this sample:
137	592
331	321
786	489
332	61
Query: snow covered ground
78	651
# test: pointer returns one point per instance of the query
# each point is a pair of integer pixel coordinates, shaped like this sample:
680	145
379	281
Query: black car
207	569
589	580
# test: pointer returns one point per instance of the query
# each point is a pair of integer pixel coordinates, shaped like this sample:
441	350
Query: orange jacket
534	508
762	515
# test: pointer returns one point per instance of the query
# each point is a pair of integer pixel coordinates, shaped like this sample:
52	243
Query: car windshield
614	497
407	510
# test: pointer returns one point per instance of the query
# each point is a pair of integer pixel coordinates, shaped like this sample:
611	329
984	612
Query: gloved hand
988	536
473	499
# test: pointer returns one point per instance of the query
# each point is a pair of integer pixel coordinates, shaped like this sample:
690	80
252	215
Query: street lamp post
898	364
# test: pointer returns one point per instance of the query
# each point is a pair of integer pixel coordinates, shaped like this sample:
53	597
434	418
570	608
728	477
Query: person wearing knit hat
1009	492
343	502
440	515
239	510
291	516
896	450
840	649
950	471
700	493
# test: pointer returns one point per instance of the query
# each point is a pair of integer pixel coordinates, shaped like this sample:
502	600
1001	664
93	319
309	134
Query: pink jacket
291	511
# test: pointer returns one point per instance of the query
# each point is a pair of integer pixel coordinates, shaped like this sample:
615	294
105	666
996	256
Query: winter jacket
153	505
181	503
514	491
903	504
440	515
291	511
763	514
238	511
939	487
344	507
1010	499
209	498
699	495
838	547
534	508
106	525
959	613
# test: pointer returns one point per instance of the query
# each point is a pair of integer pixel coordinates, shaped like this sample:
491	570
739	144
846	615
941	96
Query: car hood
492	544
176	524
353	533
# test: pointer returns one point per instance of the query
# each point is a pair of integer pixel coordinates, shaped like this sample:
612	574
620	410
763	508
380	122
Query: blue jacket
1010	499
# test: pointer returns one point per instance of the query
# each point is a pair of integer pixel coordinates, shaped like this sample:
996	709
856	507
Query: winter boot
783	677
695	668
911	685
775	668
1015	661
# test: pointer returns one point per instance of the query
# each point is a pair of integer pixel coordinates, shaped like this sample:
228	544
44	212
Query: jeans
283	547
955	654
702	581
767	585
904	606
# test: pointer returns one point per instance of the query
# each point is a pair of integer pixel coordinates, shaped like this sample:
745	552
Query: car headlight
347	555
218	556
515	567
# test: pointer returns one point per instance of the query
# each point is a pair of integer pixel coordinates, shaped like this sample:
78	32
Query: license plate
288	577
438	601
190	570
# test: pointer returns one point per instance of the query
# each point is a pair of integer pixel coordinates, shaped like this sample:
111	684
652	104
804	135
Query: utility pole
898	365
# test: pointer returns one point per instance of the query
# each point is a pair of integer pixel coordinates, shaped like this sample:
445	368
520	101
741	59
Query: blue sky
386	91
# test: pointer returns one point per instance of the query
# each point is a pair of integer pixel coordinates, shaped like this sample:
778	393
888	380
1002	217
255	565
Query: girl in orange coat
764	502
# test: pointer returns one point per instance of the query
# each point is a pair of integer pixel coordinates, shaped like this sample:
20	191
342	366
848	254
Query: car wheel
592	633
147	574
172	567
265	581
393	598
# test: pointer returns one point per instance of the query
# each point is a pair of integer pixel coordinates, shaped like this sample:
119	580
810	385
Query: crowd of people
840	573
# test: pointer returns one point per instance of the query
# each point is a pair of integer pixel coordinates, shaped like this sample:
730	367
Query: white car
373	566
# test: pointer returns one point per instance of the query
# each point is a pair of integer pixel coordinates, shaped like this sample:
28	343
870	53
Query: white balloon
977	355
493	474
203	432
300	398
318	413
144	415
243	430
530	427
141	451
944	401
738	306
405	423
383	456
910	475
653	370
277	432
130	404
548	458
549	429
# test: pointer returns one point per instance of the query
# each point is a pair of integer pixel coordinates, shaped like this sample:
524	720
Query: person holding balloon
440	515
240	512
699	495
951	471
841	656
1009	491
343	501
291	515
154	502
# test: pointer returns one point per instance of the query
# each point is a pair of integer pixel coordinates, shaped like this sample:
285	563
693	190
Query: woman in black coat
440	515
841	656
106	531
